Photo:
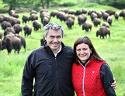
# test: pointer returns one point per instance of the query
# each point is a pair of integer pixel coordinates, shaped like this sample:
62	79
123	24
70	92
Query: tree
46	3
11	3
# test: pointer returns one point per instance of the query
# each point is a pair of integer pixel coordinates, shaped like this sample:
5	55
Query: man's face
53	39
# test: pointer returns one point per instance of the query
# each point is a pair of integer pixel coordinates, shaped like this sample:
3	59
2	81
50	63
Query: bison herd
13	24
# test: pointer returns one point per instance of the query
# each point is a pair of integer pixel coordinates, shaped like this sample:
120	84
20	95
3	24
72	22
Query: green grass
111	49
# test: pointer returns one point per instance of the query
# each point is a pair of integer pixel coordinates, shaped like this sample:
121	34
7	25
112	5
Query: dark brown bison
69	22
103	32
93	15
1	18
36	25
110	12
87	26
12	20
54	13
116	15
96	21
17	28
122	14
105	24
45	20
25	19
79	12
33	12
9	30
13	14
81	19
105	16
27	30
11	41
109	20
33	17
5	24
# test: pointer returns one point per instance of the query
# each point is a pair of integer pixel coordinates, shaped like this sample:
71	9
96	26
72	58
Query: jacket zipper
83	80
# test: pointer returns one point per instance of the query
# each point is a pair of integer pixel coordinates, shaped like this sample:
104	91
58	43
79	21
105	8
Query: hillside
111	49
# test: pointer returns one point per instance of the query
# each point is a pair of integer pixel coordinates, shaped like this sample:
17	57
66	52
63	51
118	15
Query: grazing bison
27	30
33	17
116	15
13	14
36	25
105	16
33	12
9	30
93	15
103	32
122	14
109	20
5	24
70	22
25	19
110	12
87	26
17	28
81	19
1	18
45	20
96	22
11	41
106	24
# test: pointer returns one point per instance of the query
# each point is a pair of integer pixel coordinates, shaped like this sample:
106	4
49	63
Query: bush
4	10
67	4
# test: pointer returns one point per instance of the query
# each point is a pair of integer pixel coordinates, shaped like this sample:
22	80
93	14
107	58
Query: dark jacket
52	74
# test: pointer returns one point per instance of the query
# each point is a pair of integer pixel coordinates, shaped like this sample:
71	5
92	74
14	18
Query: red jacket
86	79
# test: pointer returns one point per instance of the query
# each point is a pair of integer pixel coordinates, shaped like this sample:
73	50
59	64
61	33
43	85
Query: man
49	67
47	71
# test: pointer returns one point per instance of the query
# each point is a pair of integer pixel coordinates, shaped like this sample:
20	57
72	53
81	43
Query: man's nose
55	39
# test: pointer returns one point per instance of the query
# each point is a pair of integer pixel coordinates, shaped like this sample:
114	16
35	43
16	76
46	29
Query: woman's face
83	51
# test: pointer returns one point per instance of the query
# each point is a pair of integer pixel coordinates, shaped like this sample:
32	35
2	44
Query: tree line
47	3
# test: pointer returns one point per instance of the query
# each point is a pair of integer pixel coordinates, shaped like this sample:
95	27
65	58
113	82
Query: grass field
111	49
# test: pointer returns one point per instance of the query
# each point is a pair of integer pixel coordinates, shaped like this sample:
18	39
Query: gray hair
53	26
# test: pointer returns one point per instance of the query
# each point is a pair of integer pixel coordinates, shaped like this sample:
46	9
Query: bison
103	32
36	25
11	41
27	30
87	26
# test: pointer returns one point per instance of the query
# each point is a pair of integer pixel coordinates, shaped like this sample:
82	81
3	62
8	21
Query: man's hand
114	84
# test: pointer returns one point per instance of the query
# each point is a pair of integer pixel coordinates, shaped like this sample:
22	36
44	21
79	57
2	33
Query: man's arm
27	78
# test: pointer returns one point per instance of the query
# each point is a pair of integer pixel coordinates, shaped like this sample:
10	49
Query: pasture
111	49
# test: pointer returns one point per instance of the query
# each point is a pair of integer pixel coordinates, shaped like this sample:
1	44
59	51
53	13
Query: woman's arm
107	79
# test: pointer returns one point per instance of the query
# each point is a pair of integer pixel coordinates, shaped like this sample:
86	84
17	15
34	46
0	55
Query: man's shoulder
38	50
68	49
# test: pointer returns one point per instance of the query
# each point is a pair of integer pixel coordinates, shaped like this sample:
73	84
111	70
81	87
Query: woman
91	75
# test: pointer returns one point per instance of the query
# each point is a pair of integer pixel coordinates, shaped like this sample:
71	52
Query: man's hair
52	26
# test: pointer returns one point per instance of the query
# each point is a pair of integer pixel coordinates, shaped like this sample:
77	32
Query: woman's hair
87	41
